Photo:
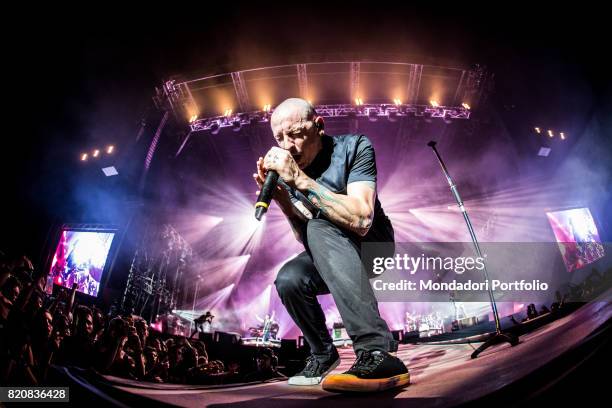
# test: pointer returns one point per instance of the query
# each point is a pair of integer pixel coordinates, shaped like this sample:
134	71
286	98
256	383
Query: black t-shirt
342	160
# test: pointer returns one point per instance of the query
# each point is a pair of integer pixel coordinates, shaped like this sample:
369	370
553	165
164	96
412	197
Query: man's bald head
295	110
294	129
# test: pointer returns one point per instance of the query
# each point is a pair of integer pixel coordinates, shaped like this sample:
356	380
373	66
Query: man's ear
319	122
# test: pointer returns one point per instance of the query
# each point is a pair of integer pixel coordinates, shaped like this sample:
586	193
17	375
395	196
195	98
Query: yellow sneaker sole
351	383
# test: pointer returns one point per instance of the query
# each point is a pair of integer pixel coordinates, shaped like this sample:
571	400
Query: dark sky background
75	80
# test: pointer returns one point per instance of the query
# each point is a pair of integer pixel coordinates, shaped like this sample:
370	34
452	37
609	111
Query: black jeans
332	264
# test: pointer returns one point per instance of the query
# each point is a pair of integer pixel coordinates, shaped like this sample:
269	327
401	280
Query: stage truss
371	111
350	89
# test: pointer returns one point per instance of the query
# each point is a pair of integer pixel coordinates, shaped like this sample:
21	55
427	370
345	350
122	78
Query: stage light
96	153
310	101
465	105
84	157
358	101
193	118
550	133
538	130
544	151
109	149
209	302
110	171
562	135
267	107
214	127
228	112
373	115
434	103
397	102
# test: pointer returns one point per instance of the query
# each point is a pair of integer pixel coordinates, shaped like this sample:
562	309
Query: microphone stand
498	336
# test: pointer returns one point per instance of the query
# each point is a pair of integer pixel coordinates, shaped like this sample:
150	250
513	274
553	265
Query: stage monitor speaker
411	336
227	338
303	344
398	335
288	345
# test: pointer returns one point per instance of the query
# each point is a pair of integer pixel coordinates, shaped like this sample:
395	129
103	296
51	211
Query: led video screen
80	257
577	235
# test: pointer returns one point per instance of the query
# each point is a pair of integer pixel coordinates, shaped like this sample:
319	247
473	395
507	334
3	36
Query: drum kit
259	331
426	326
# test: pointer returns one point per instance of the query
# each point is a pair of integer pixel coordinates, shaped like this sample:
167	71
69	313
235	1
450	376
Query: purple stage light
221	272
544	151
214	301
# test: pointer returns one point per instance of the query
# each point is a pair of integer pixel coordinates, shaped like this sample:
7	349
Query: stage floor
441	375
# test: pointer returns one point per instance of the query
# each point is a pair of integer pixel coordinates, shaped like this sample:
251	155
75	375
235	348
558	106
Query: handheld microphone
265	195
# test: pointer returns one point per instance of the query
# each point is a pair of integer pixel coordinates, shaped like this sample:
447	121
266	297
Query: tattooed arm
353	211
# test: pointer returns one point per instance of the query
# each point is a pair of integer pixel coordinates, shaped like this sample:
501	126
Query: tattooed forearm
339	208
324	200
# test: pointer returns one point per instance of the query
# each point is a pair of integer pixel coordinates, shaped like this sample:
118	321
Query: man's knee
321	235
290	279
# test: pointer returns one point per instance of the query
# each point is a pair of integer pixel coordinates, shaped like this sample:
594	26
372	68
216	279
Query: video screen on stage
577	235
80	258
